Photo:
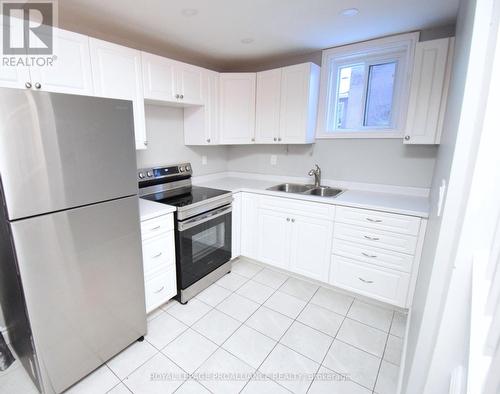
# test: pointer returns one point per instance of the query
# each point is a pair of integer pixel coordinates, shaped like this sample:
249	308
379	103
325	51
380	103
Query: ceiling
277	28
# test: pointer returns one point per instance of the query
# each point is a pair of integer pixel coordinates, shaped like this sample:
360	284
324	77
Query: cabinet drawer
153	227
160	288
373	255
378	220
382	284
158	252
377	238
300	207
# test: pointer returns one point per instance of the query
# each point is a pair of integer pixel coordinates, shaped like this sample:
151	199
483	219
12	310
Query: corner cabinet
237	108
116	72
429	91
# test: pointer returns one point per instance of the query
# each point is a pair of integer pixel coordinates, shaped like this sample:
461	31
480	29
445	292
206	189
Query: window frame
400	48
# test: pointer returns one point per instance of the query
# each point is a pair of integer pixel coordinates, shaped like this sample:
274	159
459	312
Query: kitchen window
365	87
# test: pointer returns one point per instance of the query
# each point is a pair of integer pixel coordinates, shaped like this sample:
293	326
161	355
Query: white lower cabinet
375	254
290	237
236	226
311	246
386	285
158	251
273	234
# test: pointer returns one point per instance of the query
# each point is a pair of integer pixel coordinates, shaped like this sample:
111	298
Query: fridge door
59	151
83	281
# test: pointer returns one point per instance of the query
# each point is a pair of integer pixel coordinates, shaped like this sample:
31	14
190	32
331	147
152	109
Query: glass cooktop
185	196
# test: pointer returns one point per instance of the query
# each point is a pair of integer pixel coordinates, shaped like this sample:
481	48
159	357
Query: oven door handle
181	226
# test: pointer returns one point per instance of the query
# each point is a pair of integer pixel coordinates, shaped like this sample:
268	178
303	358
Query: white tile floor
255	331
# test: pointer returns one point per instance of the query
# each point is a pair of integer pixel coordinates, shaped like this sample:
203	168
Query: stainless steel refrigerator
71	286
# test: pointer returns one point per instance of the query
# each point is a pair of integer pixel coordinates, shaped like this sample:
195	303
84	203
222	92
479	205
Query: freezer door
59	151
83	281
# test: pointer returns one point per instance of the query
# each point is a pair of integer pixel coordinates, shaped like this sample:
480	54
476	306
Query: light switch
274	160
204	160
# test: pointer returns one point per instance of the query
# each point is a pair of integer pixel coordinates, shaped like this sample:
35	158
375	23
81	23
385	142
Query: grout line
383	354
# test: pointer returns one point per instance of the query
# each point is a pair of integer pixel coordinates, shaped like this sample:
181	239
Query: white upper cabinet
268	104
71	70
299	103
159	78
237	108
429	91
201	122
171	81
287	102
116	72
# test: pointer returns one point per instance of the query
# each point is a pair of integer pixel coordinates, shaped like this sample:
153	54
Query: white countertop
404	204
150	209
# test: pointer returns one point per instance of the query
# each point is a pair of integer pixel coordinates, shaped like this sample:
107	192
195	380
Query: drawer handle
156	228
369	255
158	255
373	220
160	290
364	280
371	238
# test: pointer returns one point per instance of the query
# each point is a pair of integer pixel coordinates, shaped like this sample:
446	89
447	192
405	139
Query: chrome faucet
317	175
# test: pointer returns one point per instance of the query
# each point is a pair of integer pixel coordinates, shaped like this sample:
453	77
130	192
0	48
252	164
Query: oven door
203	244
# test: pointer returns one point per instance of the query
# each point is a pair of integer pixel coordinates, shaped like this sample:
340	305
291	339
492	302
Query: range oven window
203	244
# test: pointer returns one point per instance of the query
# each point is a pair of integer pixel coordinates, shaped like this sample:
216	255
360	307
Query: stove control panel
149	174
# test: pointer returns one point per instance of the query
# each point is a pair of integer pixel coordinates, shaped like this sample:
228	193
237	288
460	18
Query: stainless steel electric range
202	225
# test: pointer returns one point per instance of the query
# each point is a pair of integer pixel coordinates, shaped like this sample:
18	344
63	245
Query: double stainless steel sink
311	190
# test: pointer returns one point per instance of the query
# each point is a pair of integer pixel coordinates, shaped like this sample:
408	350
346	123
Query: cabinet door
311	247
299	90
71	71
13	76
237	108
201	122
116	72
428	92
267	117
189	83
273	234
249	204
159	78
236	226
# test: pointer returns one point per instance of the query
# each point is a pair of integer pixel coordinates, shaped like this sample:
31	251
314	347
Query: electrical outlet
274	160
204	160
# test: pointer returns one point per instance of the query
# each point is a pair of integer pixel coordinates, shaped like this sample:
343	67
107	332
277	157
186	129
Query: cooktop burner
185	196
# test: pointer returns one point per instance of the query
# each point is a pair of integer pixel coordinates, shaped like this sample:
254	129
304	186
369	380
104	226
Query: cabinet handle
181	96
407	138
287	219
279	139
145	143
374	220
369	255
293	220
177	96
208	140
158	255
38	85
364	280
160	290
275	139
28	85
253	139
371	238
155	228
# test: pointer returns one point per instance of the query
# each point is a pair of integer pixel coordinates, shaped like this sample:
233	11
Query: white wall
165	134
383	161
454	165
